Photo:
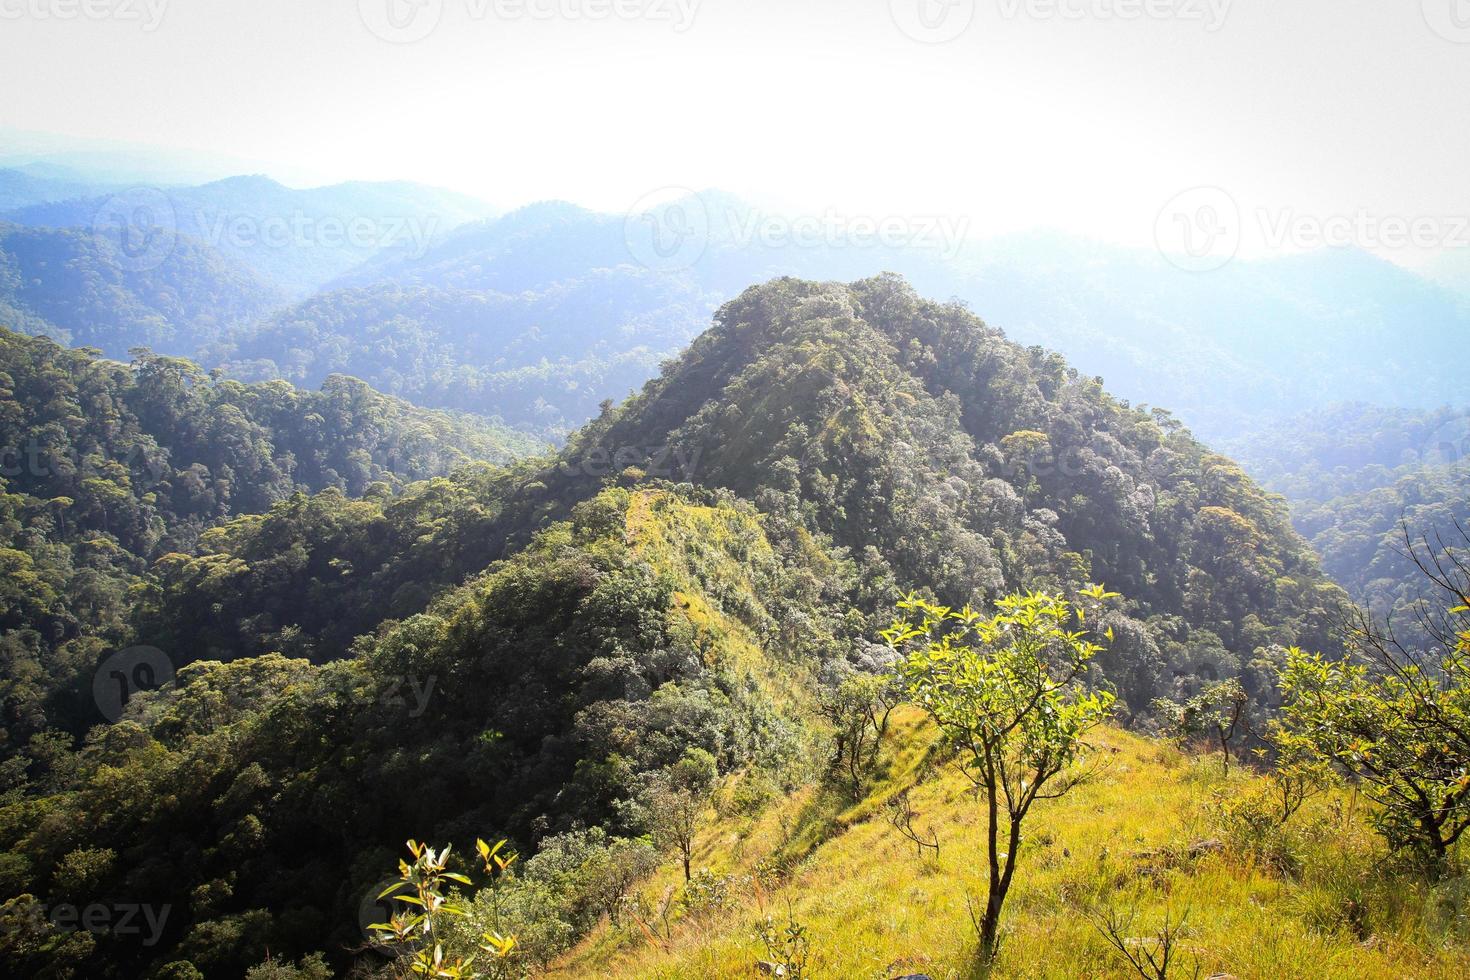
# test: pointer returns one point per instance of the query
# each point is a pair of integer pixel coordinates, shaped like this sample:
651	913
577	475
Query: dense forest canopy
109	467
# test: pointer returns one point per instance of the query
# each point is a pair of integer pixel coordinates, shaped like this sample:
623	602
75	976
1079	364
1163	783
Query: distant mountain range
541	314
296	240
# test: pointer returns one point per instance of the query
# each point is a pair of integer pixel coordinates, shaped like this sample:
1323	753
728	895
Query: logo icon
1199	230
127	672
1448	444
1447	909
141	226
1450	19
932	21
667	230
379	904
401	21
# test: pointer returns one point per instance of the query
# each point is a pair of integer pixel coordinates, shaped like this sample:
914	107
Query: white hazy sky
1062	113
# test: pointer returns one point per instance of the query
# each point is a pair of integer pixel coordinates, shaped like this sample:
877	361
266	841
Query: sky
1202	125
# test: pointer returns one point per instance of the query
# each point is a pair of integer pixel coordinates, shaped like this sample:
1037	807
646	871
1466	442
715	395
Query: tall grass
1152	838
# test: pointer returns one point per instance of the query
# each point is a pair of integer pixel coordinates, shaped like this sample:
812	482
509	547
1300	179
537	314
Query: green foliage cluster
109	467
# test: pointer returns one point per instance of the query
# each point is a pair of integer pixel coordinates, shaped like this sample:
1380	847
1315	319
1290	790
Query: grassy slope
875	910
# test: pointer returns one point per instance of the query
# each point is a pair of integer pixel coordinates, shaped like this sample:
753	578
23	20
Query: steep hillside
532	700
1359	477
1152	838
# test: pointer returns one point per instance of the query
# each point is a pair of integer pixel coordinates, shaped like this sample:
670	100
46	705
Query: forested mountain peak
947	458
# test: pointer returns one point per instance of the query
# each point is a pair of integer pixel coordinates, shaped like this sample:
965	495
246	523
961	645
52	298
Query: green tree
1007	692
1395	719
423	887
676	799
1215	712
858	708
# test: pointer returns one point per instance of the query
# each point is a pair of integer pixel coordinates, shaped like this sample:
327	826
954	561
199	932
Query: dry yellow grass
874	909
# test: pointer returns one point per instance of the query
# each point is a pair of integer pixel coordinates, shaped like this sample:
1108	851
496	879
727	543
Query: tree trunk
995	898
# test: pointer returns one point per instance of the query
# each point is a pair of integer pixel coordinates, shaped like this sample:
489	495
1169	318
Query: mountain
293	239
25	186
1234	349
109	467
1359	477
1229	351
945	456
536	317
80	287
526	652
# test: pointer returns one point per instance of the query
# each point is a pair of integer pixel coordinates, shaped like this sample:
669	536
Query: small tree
1215	712
858	708
1006	691
1397	718
676	799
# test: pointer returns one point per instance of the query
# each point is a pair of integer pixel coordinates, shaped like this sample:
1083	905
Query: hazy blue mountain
1230	351
81	288
29	185
294	239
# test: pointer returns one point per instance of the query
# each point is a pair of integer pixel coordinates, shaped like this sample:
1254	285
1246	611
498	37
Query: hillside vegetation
108	467
570	652
1159	834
